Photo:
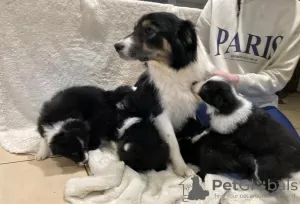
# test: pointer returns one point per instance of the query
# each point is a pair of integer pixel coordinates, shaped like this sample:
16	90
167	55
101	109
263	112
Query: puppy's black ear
119	93
219	102
187	34
57	145
185	49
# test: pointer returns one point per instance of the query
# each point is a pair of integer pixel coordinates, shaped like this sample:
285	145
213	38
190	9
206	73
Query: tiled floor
24	180
291	109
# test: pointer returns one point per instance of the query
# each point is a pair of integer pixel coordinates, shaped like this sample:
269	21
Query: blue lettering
269	38
275	44
253	45
220	40
269	45
236	44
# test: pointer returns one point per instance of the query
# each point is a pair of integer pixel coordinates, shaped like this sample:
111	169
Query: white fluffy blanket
49	45
114	183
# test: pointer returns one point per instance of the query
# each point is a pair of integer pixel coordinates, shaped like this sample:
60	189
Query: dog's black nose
119	46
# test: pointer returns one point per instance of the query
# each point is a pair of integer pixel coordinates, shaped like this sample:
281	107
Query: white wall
191	3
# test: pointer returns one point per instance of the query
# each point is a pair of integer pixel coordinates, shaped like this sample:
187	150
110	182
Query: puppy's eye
149	31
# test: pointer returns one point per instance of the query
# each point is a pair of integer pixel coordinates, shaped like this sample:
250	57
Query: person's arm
203	25
274	77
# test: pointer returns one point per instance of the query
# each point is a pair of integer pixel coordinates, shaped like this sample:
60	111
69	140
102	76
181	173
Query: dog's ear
119	93
187	34
57	145
218	102
184	50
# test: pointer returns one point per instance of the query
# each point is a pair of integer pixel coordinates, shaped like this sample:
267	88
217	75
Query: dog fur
76	119
242	138
174	58
141	147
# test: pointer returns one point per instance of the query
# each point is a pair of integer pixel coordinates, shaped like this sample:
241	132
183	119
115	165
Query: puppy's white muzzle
123	47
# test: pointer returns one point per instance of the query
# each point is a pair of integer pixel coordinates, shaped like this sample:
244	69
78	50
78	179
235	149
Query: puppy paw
184	171
43	151
41	156
189	172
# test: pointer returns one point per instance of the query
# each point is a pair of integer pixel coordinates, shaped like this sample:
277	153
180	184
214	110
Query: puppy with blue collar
242	138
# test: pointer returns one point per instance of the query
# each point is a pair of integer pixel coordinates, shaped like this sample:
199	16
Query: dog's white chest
179	105
175	93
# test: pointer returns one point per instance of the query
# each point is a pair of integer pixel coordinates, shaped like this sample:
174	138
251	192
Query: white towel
115	183
49	45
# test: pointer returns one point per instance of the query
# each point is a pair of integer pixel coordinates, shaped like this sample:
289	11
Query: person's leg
277	115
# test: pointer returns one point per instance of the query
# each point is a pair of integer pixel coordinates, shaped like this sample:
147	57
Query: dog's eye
149	31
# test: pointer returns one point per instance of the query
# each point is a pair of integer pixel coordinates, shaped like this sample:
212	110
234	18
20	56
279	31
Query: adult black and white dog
174	58
76	119
242	138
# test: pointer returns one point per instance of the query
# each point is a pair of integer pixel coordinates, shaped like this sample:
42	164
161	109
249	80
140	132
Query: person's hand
232	77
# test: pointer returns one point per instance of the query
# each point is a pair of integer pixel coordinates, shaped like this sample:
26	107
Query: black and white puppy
142	148
140	145
243	138
174	58
76	119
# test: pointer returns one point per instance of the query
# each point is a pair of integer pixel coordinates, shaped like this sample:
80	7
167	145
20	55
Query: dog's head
161	37
218	93
71	141
121	92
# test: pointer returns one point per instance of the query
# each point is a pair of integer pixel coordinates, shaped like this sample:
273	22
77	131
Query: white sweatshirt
261	44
